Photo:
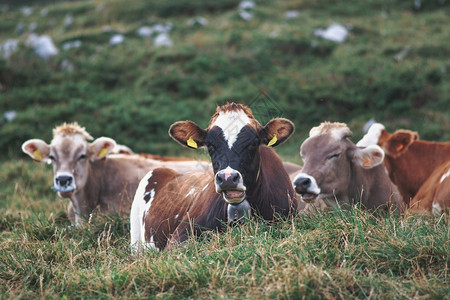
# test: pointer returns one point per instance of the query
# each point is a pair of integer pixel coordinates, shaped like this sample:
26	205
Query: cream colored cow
91	177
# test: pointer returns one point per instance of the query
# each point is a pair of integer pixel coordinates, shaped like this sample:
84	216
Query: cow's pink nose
229	180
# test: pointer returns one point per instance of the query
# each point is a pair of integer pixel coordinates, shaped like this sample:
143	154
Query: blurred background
129	69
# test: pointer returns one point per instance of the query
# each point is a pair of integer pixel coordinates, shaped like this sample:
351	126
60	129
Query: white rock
291	14
116	39
67	66
335	32
68	20
246	5
32	27
197	21
8	47
162	40
162	28
20	27
247	16
71	44
10	115
402	54
246	10
42	45
26	10
145	31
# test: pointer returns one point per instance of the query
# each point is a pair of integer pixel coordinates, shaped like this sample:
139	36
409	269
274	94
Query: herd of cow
175	196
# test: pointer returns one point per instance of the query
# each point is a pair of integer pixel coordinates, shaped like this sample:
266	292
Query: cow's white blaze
231	123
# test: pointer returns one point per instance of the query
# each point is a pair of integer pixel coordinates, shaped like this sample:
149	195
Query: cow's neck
85	200
272	190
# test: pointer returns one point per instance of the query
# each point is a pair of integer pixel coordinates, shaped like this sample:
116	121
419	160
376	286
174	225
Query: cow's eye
82	156
335	155
51	157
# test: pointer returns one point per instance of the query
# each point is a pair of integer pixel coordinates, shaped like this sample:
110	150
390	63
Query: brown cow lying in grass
92	179
338	173
418	168
248	176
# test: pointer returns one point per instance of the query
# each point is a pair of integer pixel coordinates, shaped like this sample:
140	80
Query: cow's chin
309	197
233	196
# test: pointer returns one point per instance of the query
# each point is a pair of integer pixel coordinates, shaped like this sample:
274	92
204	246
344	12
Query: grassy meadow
394	67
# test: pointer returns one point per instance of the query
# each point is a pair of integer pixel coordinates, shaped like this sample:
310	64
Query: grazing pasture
339	255
129	69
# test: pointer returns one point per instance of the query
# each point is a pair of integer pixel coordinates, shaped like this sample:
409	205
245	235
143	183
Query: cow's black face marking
240	157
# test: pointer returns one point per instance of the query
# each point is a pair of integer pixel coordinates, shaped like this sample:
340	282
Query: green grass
324	255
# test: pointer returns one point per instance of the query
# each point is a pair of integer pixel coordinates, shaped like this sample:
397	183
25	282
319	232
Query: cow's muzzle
231	185
307	187
64	184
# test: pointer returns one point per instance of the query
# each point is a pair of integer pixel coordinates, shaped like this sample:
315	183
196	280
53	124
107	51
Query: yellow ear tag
103	152
37	154
191	143
273	140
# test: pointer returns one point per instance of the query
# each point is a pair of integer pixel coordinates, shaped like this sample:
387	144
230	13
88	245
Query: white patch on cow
138	209
313	187
436	208
149	203
445	176
372	135
231	123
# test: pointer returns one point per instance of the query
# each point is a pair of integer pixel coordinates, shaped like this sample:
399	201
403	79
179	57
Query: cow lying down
92	179
338	173
248	178
420	169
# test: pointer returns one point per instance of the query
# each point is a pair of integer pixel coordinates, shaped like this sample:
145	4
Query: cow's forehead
231	123
69	143
320	145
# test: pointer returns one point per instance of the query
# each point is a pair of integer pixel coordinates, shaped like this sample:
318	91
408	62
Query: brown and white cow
339	173
88	176
434	194
248	174
409	161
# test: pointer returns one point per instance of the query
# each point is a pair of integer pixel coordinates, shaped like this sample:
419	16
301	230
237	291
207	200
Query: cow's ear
37	149
277	131
369	157
400	141
101	147
188	134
